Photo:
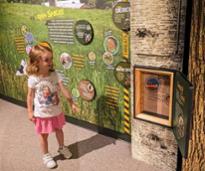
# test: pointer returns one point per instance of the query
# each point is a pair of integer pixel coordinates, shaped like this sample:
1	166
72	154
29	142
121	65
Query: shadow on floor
83	147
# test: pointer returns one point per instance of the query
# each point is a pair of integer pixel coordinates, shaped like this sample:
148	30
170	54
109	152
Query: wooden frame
153	95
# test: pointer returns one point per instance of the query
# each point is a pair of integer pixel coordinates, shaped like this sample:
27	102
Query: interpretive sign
182	113
61	31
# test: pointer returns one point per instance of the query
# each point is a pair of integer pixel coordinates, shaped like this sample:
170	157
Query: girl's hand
31	117
68	96
74	108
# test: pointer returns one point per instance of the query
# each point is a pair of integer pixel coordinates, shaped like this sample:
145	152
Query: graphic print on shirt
46	93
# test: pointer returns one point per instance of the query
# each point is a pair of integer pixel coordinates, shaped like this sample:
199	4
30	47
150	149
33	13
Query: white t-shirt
46	100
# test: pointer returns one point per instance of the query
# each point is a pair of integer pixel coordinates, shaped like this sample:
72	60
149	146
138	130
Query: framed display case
153	95
164	97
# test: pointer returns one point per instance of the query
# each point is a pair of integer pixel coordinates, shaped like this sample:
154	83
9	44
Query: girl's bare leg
60	137
62	149
44	143
47	158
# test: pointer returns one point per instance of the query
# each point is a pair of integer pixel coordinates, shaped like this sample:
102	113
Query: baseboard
100	130
13	100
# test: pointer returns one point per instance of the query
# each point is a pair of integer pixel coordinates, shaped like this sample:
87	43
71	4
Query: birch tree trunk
196	154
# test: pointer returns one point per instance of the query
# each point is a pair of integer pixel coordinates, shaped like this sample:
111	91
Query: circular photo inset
122	73
86	90
66	60
180	126
108	58
111	44
84	32
91	56
28	49
75	92
29	38
24	29
121	15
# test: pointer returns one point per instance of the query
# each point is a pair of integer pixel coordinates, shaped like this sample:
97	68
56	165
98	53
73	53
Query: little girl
44	82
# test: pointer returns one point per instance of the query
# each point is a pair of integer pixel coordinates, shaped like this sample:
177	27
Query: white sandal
48	161
65	152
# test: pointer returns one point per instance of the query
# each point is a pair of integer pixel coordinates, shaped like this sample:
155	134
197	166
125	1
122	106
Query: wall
101	98
156	40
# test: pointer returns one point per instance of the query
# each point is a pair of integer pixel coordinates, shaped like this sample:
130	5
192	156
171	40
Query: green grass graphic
13	16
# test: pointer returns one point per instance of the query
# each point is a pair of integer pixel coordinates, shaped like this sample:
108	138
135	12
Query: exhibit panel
91	55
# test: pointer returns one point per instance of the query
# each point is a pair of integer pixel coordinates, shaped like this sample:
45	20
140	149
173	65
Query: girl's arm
30	97
65	92
68	96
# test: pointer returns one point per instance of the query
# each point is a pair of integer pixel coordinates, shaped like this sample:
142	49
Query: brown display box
153	95
164	96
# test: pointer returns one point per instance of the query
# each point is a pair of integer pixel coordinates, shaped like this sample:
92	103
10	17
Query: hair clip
45	44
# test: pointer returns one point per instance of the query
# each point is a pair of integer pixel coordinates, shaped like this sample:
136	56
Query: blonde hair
35	56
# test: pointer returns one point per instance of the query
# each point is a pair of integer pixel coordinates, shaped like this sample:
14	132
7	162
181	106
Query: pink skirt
48	125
